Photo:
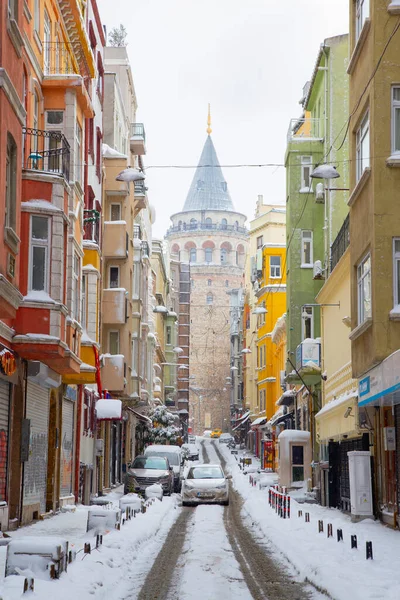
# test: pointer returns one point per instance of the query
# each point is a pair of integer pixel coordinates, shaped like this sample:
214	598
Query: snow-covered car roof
162	448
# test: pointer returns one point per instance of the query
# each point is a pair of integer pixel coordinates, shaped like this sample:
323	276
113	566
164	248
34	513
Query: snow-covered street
241	551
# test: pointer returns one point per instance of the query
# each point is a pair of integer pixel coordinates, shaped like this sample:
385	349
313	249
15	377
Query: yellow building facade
269	228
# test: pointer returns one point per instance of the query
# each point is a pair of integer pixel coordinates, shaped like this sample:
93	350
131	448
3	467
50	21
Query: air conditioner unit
318	271
319	193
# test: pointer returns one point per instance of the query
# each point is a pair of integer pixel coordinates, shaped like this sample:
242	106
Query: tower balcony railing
206	227
304	129
46	151
58	59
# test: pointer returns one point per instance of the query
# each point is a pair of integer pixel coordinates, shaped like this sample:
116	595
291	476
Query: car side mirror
228	476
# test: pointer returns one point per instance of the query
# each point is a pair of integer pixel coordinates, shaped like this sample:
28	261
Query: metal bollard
307	517
87	549
288	507
300	513
330	531
339	534
29	585
354	541
368	550
320	527
70	558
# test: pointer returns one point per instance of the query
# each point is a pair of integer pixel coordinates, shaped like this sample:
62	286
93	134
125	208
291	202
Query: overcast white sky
248	58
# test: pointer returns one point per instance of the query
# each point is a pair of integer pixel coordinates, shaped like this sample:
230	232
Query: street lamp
326	172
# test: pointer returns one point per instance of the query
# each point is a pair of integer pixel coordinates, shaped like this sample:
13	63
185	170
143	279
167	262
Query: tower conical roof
209	190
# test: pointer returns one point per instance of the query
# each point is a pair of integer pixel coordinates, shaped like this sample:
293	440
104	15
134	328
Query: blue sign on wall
364	386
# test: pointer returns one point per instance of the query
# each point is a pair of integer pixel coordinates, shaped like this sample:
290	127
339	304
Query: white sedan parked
205	483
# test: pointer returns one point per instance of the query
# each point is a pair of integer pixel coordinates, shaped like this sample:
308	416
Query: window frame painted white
110	287
306	163
307	239
361	13
362	134
84	298
42	243
395	119
310	311
362	316
276	269
76	277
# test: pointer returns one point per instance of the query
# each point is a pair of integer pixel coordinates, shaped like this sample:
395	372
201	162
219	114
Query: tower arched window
224	224
224	256
208	255
208	223
179	225
209	299
236	225
193	255
193	223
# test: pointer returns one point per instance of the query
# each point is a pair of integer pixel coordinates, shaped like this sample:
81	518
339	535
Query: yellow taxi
216	433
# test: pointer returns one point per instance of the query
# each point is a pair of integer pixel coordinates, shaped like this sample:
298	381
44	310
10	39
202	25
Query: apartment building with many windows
374	134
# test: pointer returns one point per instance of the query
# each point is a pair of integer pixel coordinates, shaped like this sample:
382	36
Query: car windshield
205	473
173	457
150	462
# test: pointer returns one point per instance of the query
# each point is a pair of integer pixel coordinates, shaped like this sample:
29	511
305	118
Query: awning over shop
242	421
338	417
109	410
140	416
287	398
258	422
381	385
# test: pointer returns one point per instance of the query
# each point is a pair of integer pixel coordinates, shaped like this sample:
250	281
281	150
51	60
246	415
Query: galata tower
211	236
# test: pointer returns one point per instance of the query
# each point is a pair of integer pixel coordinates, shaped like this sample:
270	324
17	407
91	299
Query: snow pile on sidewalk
332	566
112	571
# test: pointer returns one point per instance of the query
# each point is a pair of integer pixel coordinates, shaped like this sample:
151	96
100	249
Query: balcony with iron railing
91	226
46	151
341	243
304	129
58	59
138	139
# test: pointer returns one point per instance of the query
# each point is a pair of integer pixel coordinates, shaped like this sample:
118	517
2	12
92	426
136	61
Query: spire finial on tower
209	130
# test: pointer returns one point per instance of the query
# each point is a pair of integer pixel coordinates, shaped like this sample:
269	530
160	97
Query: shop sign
71	392
8	363
308	354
